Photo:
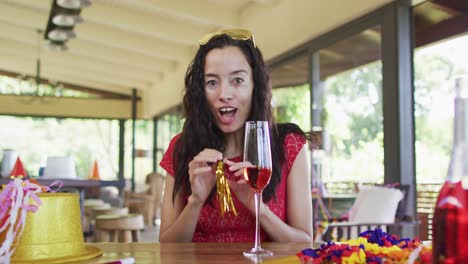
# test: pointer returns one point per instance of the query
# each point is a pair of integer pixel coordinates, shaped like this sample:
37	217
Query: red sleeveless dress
212	227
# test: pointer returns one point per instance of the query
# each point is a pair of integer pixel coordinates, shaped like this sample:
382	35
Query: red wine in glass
258	178
257	152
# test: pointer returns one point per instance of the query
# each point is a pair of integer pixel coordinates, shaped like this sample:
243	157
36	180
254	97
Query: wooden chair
115	228
149	202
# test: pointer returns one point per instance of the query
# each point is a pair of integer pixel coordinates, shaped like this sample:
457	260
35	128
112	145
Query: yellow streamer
224	193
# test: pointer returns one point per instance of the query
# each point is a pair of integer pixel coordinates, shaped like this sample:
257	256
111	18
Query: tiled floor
150	234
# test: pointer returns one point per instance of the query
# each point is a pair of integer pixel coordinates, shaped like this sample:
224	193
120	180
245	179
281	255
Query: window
351	113
143	143
85	140
435	68
169	125
292	105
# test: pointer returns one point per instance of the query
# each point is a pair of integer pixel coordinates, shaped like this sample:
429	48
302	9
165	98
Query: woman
227	84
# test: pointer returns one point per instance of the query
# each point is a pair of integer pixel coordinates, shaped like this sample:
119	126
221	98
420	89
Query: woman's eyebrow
239	71
211	75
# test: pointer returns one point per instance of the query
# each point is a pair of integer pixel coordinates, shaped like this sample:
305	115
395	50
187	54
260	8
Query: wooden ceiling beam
56	72
167	29
460	5
444	8
266	2
25	35
81	63
26	68
91	50
97	33
445	29
70	86
109	36
52	70
30	18
202	12
51	106
39	5
120	56
373	35
331	54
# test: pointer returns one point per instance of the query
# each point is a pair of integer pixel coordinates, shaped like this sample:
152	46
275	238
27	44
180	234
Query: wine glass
257	152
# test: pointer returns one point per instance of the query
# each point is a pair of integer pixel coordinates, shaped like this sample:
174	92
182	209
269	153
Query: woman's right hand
202	174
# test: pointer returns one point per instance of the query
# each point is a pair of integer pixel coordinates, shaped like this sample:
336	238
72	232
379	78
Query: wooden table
76	184
192	252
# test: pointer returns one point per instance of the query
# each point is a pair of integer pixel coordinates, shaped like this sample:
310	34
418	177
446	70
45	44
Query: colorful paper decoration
18	170
14	197
372	246
226	203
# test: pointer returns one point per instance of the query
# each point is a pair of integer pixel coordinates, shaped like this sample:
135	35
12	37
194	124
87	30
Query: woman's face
228	87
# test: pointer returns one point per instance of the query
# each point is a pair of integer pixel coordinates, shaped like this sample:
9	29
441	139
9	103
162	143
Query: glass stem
258	196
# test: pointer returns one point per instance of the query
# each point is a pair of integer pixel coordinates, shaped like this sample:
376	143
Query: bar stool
93	202
109	211
114	228
88	214
88	208
115	211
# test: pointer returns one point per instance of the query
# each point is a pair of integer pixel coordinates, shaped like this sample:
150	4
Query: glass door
348	104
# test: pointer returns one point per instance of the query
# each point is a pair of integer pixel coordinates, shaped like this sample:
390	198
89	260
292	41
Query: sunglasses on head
237	34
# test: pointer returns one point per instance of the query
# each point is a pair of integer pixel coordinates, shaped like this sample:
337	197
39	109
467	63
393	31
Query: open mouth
227	112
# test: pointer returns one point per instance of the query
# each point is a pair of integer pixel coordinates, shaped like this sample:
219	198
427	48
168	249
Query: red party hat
18	170
94	174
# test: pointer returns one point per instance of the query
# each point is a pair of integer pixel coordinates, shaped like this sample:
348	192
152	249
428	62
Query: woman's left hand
240	188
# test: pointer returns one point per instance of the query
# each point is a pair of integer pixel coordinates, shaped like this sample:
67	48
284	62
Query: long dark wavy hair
200	130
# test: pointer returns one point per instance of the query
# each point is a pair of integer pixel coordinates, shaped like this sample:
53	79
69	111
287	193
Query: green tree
434	74
291	105
359	93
